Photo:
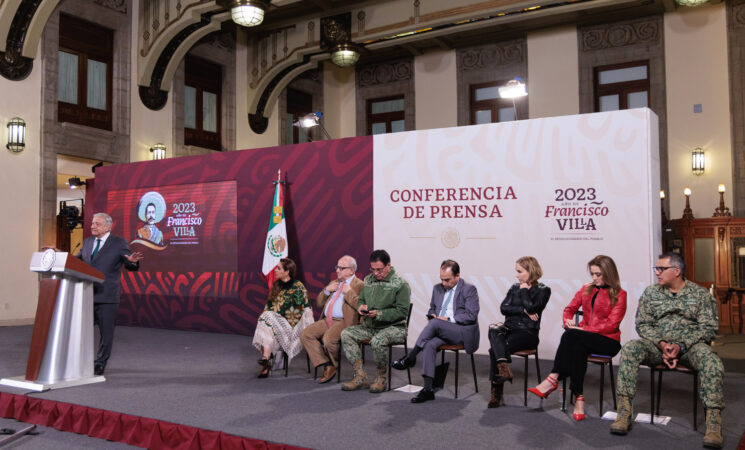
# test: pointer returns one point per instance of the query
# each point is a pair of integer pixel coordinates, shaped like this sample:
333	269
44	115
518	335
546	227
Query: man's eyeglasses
341	267
660	269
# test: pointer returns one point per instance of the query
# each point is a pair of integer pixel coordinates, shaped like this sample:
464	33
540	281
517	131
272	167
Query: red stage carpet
114	426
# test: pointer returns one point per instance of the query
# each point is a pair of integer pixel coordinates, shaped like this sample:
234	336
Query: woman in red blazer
603	304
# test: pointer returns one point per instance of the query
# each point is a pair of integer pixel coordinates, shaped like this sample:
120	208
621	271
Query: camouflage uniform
688	319
391	297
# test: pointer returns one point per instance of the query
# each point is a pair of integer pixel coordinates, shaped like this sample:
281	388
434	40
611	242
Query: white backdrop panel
562	189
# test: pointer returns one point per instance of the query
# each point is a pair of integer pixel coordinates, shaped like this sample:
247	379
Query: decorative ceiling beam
13	64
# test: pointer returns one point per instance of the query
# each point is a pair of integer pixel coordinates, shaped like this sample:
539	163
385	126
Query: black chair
525	354
659	369
286	362
390	347
602	361
457	349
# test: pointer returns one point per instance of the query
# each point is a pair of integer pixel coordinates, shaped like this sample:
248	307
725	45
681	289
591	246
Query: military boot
359	381
381	381
623	422
497	388
713	437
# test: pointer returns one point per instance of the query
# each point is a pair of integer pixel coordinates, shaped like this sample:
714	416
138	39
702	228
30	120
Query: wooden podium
61	353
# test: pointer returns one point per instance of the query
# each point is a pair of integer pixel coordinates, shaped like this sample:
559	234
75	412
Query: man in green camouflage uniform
677	320
383	306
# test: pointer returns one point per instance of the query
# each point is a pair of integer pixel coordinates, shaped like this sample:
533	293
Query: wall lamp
687	212
248	13
698	161
76	183
16	135
722	211
158	151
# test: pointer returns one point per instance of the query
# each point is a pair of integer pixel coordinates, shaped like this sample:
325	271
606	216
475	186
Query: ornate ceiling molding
13	65
646	31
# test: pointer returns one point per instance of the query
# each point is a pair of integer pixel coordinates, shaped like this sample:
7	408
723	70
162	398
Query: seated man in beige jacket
338	301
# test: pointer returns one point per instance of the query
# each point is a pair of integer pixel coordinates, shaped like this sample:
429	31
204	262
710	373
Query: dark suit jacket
109	261
349	308
465	311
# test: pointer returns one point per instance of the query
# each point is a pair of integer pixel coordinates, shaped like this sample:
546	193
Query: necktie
446	303
330	306
95	250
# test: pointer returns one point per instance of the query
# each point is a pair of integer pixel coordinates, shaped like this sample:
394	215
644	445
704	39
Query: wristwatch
682	347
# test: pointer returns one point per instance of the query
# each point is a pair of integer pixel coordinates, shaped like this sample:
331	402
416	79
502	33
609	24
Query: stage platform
208	381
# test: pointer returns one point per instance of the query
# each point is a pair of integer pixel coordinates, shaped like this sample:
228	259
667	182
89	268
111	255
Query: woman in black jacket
522	308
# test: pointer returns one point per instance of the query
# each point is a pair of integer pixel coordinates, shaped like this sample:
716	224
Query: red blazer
602	319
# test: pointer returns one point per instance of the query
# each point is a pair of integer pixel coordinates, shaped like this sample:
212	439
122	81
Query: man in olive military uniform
383	306
676	320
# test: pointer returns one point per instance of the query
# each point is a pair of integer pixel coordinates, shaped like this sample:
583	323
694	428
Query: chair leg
457	353
473	368
564	394
537	367
652	396
338	368
525	388
390	353
307	359
362	350
602	387
287	363
408	369
659	391
612	385
695	401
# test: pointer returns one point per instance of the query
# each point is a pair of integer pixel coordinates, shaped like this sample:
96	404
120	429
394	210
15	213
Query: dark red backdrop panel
329	211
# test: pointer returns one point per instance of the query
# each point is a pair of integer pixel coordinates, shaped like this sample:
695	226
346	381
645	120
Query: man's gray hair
676	260
352	262
107	218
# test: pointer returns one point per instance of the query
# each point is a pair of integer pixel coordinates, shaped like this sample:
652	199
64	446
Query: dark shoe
266	368
98	369
503	368
328	374
403	363
496	395
423	396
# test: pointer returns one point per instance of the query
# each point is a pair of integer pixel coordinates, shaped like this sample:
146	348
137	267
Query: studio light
311	120
158	151
75	183
514	88
16	135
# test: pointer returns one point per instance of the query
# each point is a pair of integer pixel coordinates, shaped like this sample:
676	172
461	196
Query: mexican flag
275	247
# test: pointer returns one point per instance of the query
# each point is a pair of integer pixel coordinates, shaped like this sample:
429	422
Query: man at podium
107	253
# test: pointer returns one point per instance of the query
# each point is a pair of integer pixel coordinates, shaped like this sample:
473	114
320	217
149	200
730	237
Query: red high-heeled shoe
554	384
577	416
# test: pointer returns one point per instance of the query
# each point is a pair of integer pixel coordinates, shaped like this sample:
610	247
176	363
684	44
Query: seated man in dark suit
453	319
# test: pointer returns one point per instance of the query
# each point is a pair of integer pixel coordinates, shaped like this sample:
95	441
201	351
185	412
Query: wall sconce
158	151
697	161
687	212
248	13
662	206
335	32
722	211
16	135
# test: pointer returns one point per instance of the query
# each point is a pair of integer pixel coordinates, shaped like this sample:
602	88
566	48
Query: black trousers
504	344
571	356
104	315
